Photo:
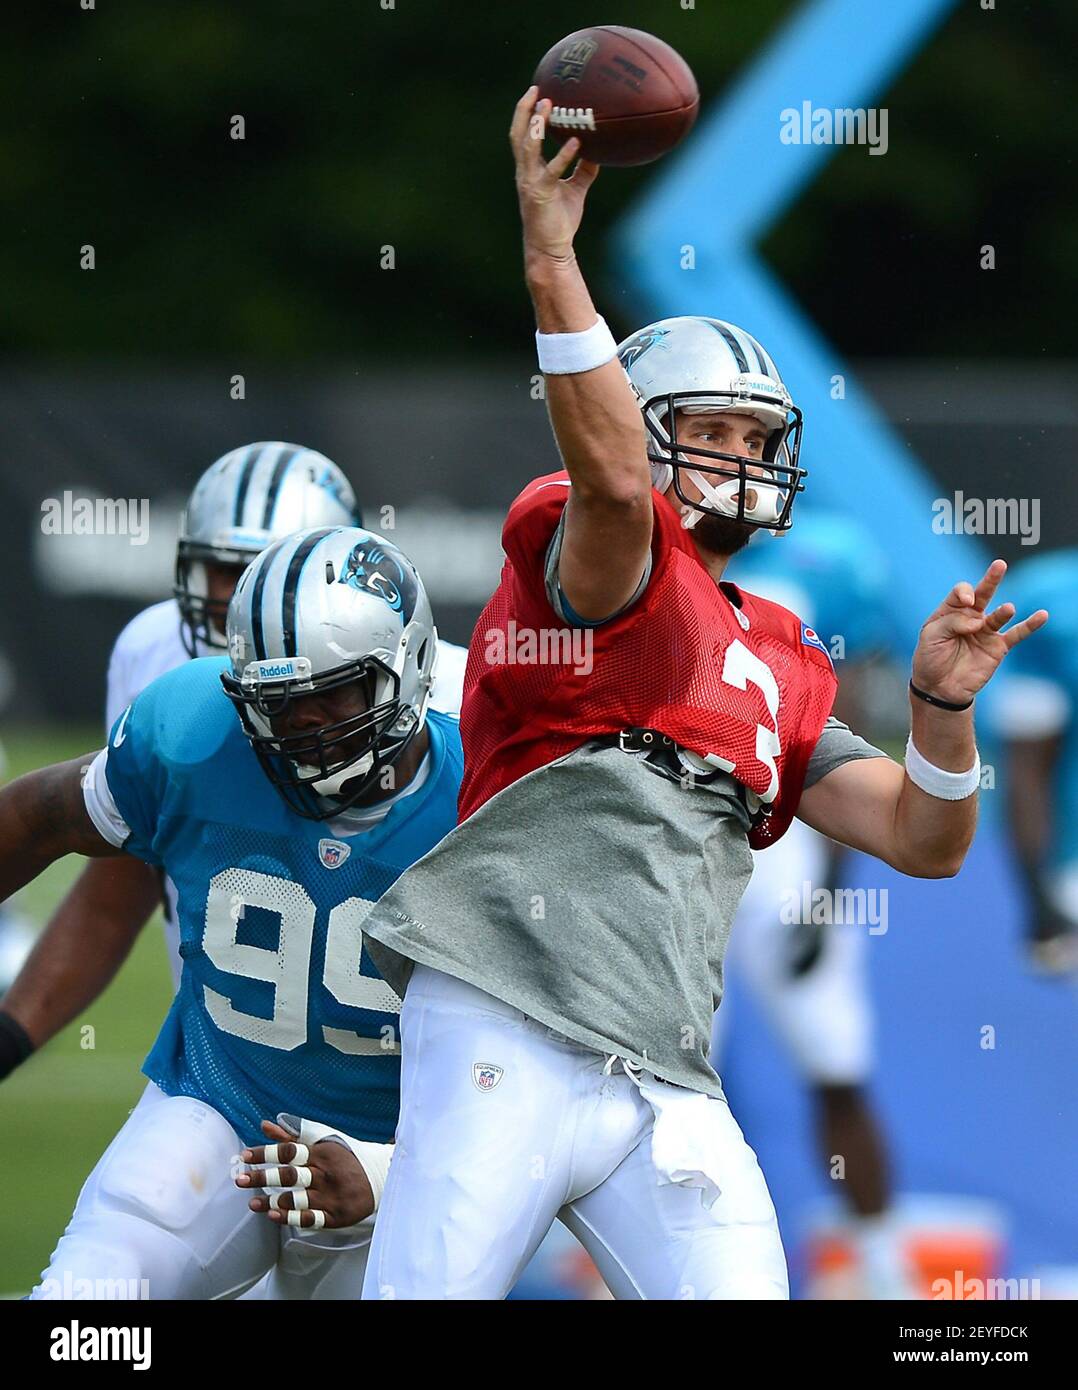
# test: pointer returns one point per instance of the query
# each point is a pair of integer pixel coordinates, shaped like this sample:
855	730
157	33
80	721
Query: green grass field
59	1110
63	1106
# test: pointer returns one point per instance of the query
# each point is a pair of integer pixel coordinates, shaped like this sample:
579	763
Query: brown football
625	94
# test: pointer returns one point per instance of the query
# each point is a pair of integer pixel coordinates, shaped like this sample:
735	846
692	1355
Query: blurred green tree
370	127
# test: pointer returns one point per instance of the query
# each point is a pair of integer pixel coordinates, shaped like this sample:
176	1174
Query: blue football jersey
1046	581
830	572
279	1005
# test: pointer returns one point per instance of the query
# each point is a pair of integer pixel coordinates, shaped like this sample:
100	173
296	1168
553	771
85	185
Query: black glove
15	1044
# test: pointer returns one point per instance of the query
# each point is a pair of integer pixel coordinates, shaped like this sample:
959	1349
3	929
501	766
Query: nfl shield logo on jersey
332	853
486	1075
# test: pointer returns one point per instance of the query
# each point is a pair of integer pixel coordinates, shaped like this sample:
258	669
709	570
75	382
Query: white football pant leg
160	1217
503	1124
661	1242
481	1162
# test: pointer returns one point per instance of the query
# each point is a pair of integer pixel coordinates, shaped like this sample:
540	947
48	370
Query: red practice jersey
729	676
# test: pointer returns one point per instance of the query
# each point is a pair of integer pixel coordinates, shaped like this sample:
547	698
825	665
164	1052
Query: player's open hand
550	206
312	1188
962	643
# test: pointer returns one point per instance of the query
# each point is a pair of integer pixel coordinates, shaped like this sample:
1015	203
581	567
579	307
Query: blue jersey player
1034	711
283	789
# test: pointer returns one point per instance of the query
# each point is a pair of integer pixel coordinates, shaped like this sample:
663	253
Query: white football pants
506	1125
160	1217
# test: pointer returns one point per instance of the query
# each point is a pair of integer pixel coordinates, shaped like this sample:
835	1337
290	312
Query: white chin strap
762	499
331	785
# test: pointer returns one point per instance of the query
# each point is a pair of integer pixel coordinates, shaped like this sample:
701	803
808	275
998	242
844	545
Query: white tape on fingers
300	1200
375	1158
273	1178
274	1155
303	1177
295	1218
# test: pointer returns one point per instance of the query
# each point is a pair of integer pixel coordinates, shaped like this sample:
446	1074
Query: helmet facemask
203	618
729	490
324	770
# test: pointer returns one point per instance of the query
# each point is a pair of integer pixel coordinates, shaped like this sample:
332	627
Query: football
626	95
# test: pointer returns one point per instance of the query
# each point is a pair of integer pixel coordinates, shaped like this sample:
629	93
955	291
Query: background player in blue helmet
811	977
1034	711
279	1009
247	499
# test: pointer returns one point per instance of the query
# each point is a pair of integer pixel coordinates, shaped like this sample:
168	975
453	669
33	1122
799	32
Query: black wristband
15	1044
935	700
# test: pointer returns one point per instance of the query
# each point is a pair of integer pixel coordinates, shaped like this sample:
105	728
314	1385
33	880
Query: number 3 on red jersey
739	667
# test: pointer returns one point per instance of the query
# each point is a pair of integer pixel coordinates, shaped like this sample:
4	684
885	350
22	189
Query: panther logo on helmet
635	348
371	569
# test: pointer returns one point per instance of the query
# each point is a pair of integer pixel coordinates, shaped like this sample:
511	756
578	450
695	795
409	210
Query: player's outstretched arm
595	418
921	819
43	816
84	944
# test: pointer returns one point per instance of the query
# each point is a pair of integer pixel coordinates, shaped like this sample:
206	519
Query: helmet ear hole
421	656
661	475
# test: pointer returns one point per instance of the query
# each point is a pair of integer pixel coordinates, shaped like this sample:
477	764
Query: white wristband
563	353
374	1157
936	781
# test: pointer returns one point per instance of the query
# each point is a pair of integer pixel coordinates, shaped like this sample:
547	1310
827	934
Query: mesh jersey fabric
719	671
279	1007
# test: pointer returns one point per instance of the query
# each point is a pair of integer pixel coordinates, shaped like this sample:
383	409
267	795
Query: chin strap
331	785
724	498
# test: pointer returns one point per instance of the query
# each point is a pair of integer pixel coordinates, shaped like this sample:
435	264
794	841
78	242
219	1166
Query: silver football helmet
320	611
244	502
695	364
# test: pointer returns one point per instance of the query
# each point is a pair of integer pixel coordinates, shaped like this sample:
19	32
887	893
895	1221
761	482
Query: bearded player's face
728	433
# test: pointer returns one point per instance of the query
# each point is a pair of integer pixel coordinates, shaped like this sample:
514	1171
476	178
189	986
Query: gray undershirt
596	895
